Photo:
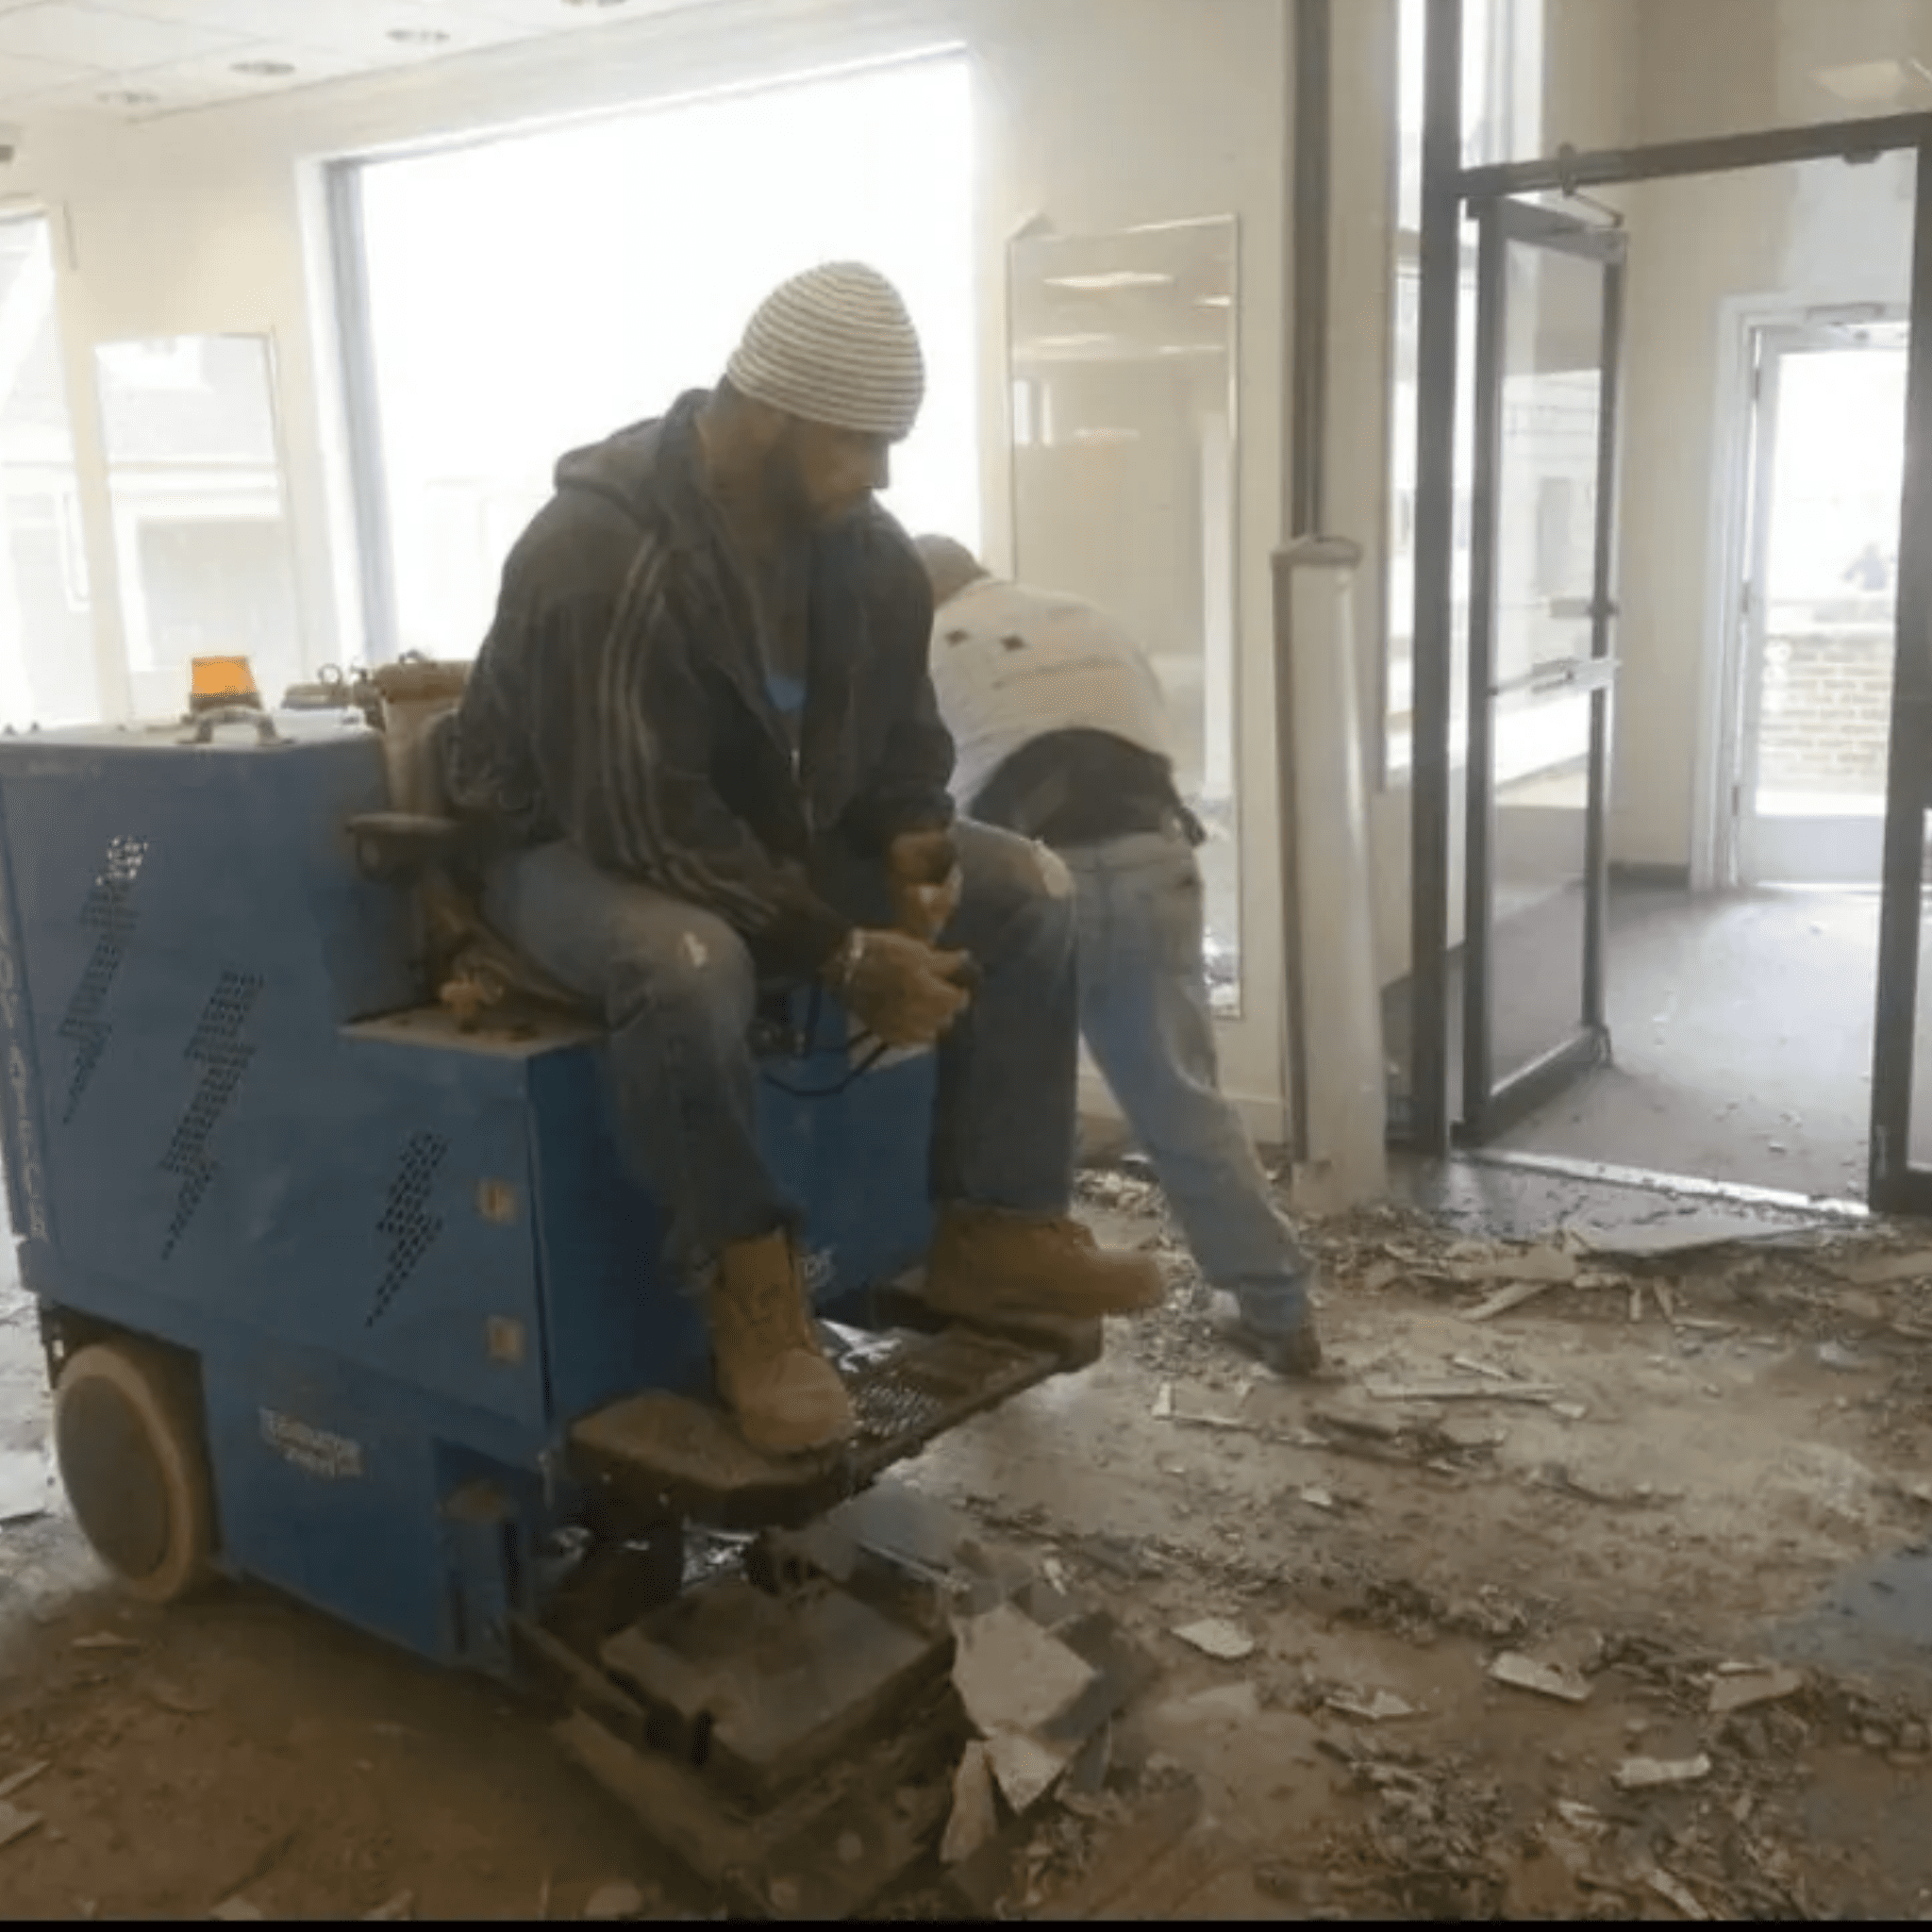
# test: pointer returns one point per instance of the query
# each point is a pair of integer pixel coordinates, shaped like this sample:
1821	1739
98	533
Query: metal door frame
1491	1106
1896	1186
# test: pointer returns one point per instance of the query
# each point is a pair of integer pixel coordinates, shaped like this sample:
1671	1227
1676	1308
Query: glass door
1541	668
1809	796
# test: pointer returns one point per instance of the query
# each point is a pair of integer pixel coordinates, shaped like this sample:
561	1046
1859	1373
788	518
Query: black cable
865	1066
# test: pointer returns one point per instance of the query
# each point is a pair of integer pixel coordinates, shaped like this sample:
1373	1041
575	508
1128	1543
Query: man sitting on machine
703	724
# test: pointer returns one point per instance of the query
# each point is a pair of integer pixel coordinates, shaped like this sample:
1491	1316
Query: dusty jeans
1144	1012
678	989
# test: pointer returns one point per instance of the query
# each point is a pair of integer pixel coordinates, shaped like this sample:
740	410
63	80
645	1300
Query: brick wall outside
1827	709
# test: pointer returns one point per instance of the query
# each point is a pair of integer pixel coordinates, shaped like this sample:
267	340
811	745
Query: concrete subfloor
1741	1029
1736	1473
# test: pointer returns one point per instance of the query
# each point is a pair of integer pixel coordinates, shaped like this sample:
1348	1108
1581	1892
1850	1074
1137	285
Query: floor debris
19	1780
179	1701
1024	1768
15	1824
403	1906
619	1899
1377	1710
1687	1233
1675	1894
1506	1298
1490	1371
975	1816
1741	1693
1546	1680
1463	1391
1883	1270
1011	1675
238	1911
1454	1801
1218	1638
1658	1773
26	1485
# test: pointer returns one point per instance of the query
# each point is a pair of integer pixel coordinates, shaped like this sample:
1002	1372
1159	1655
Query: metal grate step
687	1455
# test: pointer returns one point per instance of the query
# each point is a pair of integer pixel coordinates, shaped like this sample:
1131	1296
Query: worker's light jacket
620	699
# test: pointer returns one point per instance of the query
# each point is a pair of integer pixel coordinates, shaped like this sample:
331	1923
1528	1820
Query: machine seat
476	972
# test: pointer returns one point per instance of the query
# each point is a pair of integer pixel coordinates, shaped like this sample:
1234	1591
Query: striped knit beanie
836	346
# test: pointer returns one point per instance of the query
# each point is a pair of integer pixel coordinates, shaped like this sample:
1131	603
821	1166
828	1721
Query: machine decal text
317	1451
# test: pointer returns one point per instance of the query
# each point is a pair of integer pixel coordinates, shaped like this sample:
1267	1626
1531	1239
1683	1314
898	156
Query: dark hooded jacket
619	700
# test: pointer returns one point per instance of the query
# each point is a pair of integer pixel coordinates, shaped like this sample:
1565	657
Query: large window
201	530
47	631
1502	82
531	295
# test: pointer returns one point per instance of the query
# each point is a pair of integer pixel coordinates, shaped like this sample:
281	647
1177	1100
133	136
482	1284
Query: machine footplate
688	1455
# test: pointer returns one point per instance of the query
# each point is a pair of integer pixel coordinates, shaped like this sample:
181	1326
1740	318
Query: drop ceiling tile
372	25
20	78
259	20
79	34
360	26
560	16
211	81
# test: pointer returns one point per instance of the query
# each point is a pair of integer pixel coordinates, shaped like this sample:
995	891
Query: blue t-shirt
788	700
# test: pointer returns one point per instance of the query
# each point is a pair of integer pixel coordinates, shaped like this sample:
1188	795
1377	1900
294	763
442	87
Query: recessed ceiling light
265	70
127	97
595	3
1215	302
417	36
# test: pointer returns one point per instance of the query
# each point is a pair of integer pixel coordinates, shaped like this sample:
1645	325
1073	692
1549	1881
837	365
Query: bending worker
703	724
1062	736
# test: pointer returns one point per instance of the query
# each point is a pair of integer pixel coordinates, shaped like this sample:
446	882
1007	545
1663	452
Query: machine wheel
128	1435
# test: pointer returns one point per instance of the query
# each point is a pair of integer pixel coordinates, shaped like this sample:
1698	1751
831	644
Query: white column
1334	1022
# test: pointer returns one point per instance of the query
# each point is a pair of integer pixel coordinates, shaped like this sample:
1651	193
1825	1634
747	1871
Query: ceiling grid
139	59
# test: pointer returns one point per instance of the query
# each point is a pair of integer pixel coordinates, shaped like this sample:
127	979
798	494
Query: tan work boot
989	1263
769	1369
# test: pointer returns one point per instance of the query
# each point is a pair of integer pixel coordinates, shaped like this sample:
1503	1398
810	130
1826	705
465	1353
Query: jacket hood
628	469
619	469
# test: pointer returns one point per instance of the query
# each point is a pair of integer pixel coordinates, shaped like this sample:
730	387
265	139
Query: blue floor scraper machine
344	1290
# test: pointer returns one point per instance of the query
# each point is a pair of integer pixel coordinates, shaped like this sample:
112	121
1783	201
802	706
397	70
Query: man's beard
788	502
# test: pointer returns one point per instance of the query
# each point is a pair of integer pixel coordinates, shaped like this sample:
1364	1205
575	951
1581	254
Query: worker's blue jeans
1145	1015
678	989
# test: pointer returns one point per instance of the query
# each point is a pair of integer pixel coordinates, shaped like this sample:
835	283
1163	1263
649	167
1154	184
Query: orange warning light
218	682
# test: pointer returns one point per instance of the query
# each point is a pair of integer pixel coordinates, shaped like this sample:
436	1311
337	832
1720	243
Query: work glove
900	989
927	883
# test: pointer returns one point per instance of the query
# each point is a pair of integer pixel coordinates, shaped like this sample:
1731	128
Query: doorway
1811	691
1900	1174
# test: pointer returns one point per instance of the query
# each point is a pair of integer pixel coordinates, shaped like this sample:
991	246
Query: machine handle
205	726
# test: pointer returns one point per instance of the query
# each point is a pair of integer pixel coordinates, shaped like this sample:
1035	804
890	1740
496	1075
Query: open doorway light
531	295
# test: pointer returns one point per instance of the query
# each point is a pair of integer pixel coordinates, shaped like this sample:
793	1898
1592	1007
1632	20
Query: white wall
1094	114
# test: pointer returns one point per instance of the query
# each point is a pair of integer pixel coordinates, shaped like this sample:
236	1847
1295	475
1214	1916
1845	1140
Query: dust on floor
1651	1472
